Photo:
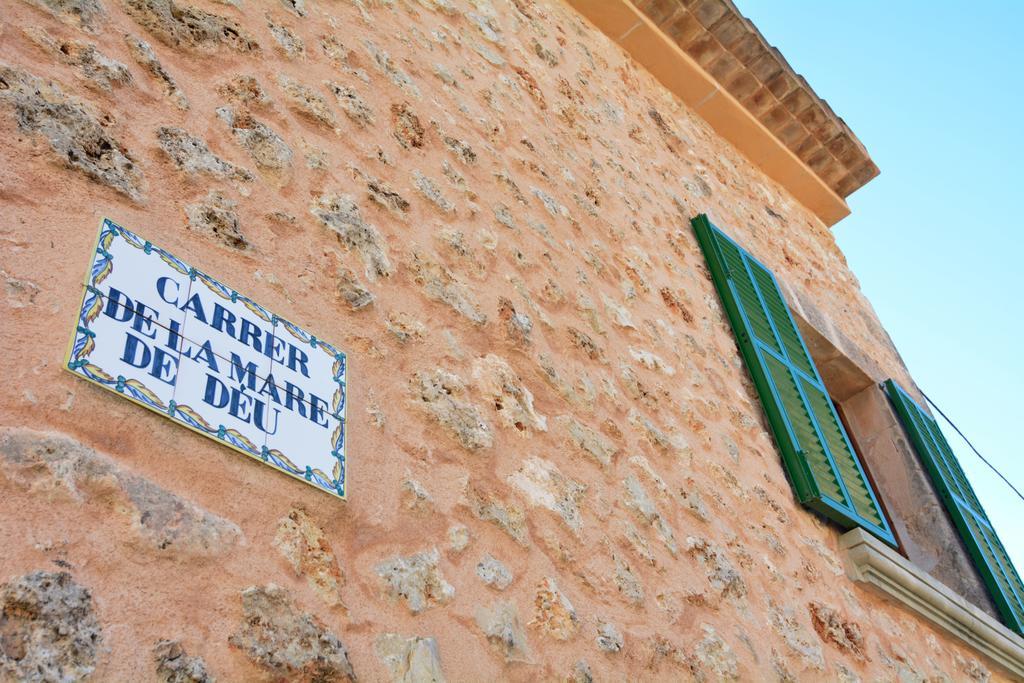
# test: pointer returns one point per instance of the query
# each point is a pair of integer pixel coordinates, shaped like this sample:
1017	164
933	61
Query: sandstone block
500	625
147	59
553	613
544	485
215	217
303	543
410	660
286	643
88	15
440	394
56	464
76	135
192	156
48	629
173	665
500	385
267	148
417	579
494	573
341	214
188	26
609	638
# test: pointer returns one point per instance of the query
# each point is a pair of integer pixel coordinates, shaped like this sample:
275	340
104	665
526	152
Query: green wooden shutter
816	452
963	506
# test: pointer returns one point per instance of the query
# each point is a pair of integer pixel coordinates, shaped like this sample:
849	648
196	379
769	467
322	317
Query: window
963	506
812	420
826	473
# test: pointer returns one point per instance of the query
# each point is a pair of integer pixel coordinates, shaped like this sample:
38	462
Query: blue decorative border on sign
83	343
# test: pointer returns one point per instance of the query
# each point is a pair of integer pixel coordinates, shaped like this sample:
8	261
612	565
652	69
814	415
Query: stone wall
558	466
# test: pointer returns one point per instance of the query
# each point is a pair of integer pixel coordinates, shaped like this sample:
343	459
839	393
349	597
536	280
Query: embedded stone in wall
407	128
585	343
404	327
410	660
609	638
48	629
666	443
384	195
460	149
191	155
518	326
287	643
289	44
96	68
500	625
638	500
306	101
439	393
974	669
146	58
352	104
842	633
628	582
297	7
581	673
713	655
173	665
494	573
784	622
267	148
543	485
431	191
341	214
490	508
86	14
384	62
417	579
305	546
166	522
721	573
244	90
498	382
458	538
352	291
215	217
188	26
416	496
553	613
589	441
75	134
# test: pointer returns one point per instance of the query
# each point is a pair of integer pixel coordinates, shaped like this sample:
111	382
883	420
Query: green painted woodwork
817	455
981	540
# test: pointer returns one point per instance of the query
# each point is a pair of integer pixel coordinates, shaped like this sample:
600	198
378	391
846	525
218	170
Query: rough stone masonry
559	469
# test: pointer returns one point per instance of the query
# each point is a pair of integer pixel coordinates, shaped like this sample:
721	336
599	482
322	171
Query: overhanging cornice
716	61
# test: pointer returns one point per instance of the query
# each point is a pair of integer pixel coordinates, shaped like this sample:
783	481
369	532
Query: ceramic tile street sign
173	339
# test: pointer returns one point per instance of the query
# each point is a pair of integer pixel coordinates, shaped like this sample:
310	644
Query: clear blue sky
935	90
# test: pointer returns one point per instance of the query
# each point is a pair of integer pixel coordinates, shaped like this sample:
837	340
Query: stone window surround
868	561
871	562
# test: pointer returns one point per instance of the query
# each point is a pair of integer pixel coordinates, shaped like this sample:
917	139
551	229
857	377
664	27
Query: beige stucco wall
538	166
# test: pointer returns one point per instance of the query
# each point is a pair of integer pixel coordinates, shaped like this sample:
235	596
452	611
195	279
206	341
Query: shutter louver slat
803	428
816	452
762	327
831	429
780	317
980	538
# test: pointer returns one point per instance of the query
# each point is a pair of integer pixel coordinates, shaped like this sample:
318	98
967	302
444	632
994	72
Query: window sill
868	560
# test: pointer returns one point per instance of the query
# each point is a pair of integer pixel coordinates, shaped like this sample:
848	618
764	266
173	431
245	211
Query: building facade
608	403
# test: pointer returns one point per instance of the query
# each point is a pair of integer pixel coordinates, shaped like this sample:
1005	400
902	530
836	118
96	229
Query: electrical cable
990	465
